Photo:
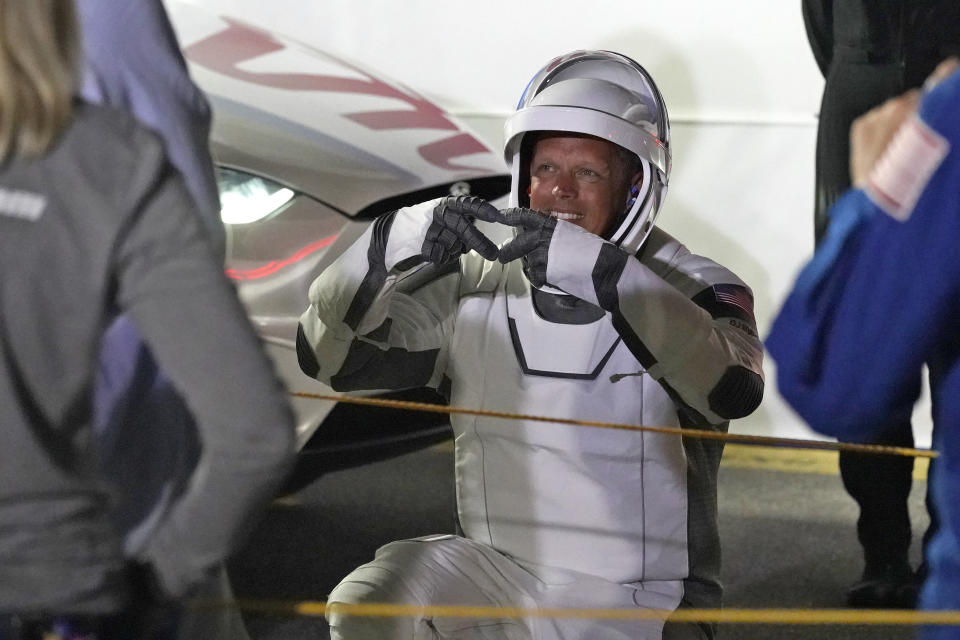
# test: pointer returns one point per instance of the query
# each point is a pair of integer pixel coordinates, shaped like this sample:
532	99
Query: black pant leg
880	485
852	88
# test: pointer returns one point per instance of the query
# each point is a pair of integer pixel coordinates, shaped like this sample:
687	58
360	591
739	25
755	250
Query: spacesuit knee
350	627
372	584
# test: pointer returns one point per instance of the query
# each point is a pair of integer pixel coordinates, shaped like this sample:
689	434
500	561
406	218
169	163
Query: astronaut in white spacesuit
589	312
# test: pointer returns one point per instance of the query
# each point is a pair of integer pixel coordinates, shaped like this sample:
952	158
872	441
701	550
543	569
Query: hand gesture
871	133
532	242
452	232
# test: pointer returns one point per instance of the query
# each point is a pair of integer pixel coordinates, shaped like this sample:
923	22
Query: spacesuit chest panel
545	348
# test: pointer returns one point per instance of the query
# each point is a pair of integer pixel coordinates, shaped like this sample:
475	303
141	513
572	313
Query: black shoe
890	586
908	593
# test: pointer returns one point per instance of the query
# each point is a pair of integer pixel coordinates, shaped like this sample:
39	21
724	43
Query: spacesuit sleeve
379	315
687	320
168	281
878	299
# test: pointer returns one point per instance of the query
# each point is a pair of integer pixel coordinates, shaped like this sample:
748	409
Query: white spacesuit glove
452	232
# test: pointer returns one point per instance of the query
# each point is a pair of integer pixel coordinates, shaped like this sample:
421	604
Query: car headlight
245	198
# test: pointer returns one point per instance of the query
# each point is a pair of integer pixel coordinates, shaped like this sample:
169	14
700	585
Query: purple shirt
133	61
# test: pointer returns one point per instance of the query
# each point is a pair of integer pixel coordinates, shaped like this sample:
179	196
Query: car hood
317	122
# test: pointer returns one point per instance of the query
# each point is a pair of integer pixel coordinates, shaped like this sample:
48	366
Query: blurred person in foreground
880	298
148	444
590	312
870	51
94	221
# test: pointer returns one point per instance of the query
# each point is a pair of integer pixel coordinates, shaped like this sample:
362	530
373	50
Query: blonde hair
38	77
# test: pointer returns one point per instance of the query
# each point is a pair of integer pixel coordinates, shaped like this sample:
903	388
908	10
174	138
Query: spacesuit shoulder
690	273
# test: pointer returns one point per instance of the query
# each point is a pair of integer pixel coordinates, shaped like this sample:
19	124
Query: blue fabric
877	301
147	441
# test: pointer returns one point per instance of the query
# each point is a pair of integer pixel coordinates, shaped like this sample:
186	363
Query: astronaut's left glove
452	231
531	243
566	257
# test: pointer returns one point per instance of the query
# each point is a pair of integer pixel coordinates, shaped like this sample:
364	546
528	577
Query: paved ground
786	523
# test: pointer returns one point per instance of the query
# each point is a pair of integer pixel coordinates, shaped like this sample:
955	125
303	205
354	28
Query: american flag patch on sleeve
902	173
728	300
736	296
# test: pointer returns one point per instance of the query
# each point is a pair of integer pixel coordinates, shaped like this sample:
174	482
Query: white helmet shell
609	96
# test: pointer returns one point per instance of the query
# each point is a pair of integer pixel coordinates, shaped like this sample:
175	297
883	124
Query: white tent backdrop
738	77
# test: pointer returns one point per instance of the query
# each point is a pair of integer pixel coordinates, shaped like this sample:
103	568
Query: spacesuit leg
432	571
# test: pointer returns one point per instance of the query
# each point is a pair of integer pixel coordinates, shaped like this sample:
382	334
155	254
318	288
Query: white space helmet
606	95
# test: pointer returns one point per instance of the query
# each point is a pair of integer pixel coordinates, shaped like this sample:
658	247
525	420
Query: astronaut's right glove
452	232
531	243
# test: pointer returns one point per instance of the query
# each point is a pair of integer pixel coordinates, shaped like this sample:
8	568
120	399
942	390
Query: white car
309	149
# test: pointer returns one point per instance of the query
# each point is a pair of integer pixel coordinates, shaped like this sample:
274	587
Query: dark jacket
101	224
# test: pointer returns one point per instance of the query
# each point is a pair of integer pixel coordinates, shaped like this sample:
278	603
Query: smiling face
580	179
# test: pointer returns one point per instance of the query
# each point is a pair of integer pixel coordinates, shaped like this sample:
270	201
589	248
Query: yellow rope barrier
890	617
875	449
